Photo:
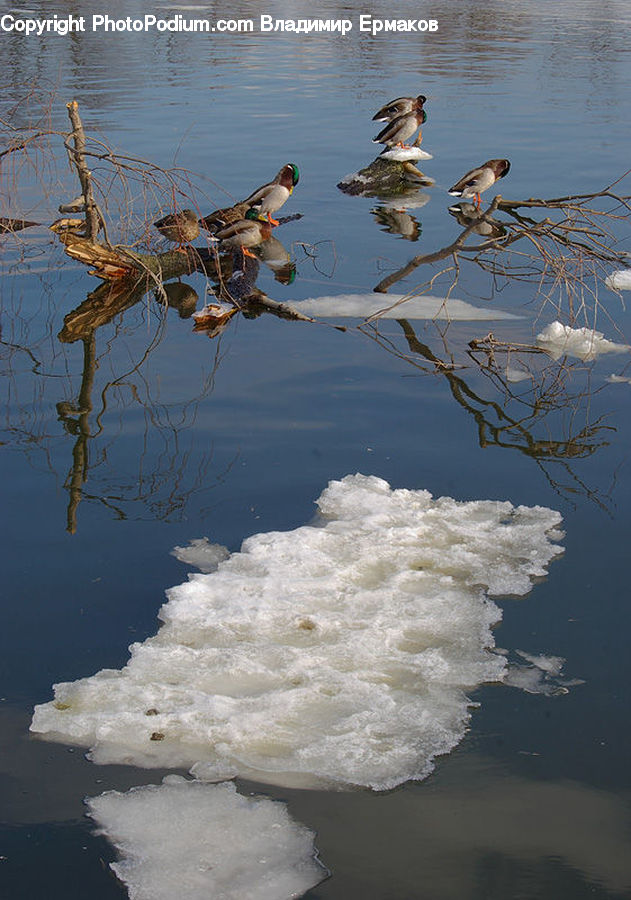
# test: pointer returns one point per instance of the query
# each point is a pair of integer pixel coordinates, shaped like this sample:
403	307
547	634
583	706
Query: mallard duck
399	107
399	129
247	232
481	179
180	227
270	197
220	218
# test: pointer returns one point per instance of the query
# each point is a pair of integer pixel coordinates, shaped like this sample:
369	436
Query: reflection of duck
399	107
270	197
182	297
467	214
247	232
481	179
402	127
180	227
276	256
397	221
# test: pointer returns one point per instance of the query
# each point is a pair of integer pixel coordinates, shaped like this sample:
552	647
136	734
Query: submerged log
385	178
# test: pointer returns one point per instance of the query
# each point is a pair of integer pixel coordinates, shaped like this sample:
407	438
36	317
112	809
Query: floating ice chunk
541	675
335	654
514	374
196	841
583	343
403	154
360	306
202	554
552	665
619	281
618	379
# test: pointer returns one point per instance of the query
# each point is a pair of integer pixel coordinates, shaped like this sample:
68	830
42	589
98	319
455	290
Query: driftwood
128	274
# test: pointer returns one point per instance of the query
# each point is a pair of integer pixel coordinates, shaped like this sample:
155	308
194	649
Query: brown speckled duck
402	127
481	179
223	217
180	227
399	107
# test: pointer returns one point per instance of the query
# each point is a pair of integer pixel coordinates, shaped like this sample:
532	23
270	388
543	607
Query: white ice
403	154
618	379
340	653
583	343
360	306
199	841
619	281
201	554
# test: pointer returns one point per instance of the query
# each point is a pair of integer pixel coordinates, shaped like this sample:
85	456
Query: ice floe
619	281
583	343
196	841
201	554
336	654
361	306
403	154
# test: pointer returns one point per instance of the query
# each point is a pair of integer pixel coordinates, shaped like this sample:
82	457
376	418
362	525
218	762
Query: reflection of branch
79	472
562	254
496	426
451	250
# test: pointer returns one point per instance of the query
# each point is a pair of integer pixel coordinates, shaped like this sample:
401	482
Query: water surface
240	435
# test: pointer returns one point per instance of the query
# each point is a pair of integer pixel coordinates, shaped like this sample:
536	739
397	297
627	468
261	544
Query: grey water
190	436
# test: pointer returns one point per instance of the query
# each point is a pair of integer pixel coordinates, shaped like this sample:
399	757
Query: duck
399	107
481	179
270	197
247	232
180	227
402	127
220	218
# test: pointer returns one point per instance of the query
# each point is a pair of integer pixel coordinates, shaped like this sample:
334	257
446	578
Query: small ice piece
619	281
618	379
583	343
514	375
196	841
202	554
361	306
403	154
541	675
552	665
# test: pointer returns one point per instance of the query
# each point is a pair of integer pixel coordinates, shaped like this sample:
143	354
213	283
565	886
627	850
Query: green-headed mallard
180	227
399	107
270	197
481	179
247	232
402	127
